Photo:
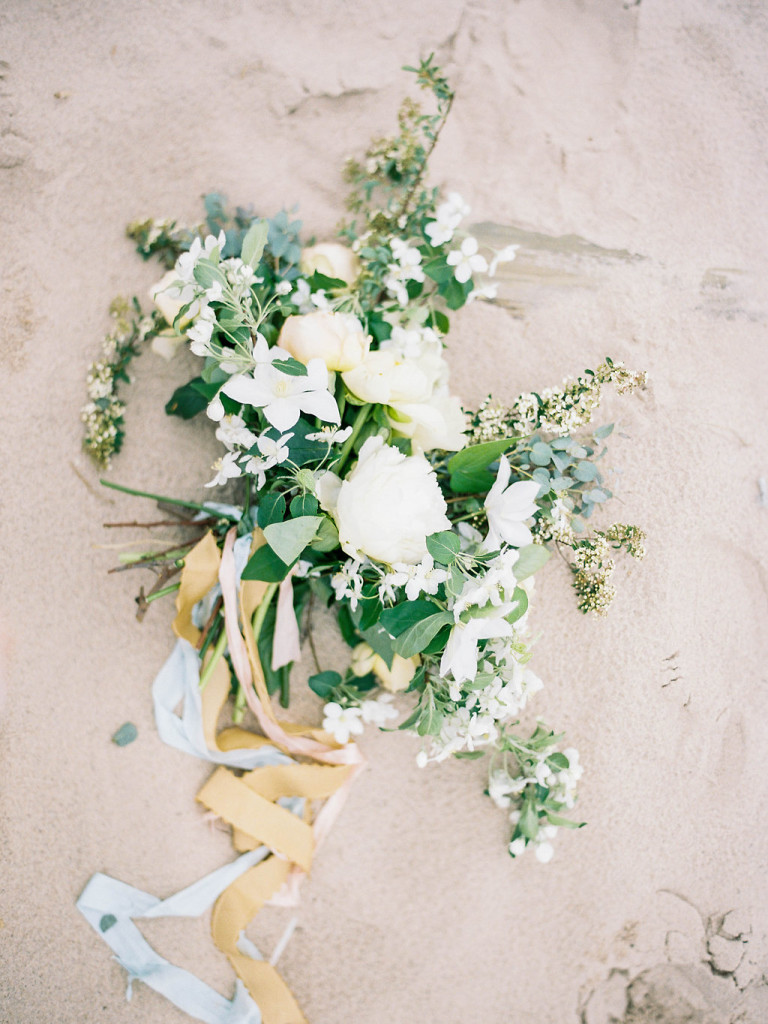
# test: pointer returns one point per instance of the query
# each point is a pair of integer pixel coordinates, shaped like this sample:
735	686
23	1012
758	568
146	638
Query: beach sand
624	146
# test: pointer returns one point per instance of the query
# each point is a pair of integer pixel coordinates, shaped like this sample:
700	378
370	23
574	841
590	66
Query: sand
624	145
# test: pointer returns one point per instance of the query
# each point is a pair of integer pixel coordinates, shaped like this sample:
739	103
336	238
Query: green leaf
469	755
304	505
271	509
439	321
431	718
347	626
479	456
191	398
327	536
556	819
289	539
558	761
455	293
290	367
604	431
208	273
126	734
477	481
530	559
401	616
438	270
444	546
417	636
528	825
324	683
266	566
521	599
322	282
380	641
107	921
254	242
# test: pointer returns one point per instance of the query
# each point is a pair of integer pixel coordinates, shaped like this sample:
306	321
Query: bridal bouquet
355	478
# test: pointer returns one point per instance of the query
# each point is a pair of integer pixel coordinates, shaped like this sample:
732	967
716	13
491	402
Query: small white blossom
466	260
341	722
227	469
380	711
275	451
331	435
505	256
233	433
348	583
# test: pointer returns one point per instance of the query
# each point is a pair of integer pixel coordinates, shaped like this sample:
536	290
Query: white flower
284	397
215	410
233	433
331	435
283	288
440	230
487	292
544	852
200	332
332	259
517	846
227	469
505	256
336	338
421	578
277	451
466	260
507	508
186	263
460	655
388	505
378	712
341	722
348	582
455	202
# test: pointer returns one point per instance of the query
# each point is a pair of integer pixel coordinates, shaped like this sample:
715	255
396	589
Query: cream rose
383	378
387	506
169	299
331	259
336	338
438	423
394	679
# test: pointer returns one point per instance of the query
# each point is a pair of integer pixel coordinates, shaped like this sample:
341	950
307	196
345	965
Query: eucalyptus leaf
126	734
528	824
541	454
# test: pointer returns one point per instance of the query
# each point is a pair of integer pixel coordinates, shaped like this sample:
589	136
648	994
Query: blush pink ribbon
286	642
300	745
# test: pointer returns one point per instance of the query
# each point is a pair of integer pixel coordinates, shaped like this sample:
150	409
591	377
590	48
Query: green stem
285	686
218	650
239	709
357	426
160	497
161	593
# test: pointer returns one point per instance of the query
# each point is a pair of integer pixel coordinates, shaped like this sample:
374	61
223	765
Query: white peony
331	259
438	423
388	505
383	378
336	338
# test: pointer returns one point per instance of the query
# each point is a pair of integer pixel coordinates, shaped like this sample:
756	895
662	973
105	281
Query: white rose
169	299
383	378
336	338
331	259
388	505
438	423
